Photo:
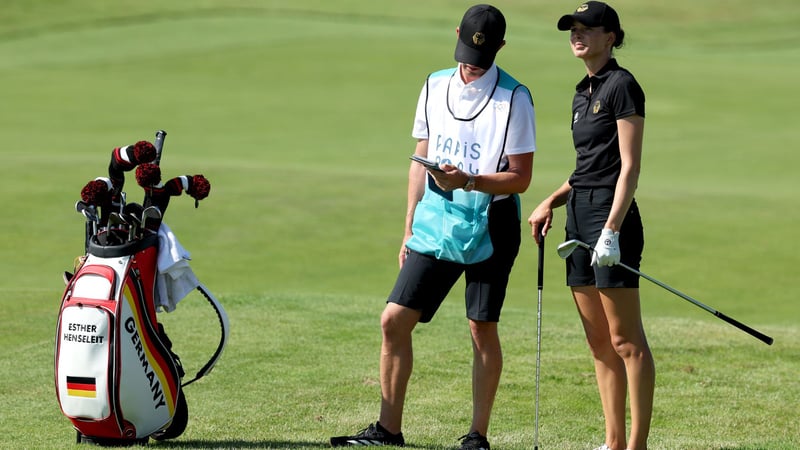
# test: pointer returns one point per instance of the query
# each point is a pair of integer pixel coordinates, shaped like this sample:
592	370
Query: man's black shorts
587	212
424	281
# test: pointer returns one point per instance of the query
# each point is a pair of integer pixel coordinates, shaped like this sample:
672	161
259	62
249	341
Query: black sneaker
474	441
372	435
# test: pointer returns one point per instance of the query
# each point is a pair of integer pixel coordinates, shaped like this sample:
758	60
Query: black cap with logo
480	36
591	14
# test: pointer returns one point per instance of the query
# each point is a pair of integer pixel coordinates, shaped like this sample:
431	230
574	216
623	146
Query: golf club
566	248
538	335
159	145
151	219
132	222
135	224
90	213
86	209
117	227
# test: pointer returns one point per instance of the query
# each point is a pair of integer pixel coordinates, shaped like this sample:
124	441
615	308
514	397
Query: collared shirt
467	100
600	101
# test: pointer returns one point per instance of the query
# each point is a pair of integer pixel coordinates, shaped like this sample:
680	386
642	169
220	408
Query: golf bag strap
224	332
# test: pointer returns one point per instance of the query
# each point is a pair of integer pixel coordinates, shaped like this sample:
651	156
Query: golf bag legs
173	430
179	421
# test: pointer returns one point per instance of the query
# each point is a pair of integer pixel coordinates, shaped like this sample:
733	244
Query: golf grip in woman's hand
541	255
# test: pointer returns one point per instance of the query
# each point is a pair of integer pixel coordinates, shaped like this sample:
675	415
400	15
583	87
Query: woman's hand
541	219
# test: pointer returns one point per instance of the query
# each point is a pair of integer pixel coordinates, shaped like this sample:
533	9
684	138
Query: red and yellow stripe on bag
169	385
81	387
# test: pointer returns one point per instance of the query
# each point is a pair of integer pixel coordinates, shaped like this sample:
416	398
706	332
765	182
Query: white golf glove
606	251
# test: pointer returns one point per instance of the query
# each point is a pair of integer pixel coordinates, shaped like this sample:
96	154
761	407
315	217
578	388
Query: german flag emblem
81	387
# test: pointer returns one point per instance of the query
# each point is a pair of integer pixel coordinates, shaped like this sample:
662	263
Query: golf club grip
159	144
756	334
541	256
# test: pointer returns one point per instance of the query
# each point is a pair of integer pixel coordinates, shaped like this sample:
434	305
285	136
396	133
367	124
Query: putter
565	249
538	336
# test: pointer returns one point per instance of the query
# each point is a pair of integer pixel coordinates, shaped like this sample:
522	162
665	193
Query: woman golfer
607	131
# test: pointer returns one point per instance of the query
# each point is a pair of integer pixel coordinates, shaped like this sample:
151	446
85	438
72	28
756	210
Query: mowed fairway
299	113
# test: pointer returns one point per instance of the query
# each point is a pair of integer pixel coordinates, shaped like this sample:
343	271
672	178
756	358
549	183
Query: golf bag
116	376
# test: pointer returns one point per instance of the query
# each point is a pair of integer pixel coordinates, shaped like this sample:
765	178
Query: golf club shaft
538	334
755	333
158	143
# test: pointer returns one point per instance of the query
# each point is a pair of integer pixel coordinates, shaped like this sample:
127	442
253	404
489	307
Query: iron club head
88	211
151	218
566	248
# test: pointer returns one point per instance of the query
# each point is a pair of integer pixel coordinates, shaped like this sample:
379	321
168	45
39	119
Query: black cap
480	36
591	14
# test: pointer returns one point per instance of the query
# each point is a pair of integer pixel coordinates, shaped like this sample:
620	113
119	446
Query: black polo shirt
615	94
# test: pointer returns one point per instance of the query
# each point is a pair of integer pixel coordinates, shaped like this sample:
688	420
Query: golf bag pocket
83	376
116	377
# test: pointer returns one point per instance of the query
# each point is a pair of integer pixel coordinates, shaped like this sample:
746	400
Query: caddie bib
456	229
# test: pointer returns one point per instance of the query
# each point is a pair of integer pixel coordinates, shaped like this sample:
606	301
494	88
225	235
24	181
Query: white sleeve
521	124
420	130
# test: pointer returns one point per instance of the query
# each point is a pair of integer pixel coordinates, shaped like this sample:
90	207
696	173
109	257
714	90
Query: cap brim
565	22
468	55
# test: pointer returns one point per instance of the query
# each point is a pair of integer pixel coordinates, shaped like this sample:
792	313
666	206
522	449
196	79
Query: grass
299	113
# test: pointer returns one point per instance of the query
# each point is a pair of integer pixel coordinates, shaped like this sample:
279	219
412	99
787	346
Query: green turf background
300	114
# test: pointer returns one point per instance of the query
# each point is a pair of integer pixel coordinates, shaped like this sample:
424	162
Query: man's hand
450	177
606	251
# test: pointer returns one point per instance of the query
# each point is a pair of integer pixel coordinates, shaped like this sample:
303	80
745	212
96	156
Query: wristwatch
470	184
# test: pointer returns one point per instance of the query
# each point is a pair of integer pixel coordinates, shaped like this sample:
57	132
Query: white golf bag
116	376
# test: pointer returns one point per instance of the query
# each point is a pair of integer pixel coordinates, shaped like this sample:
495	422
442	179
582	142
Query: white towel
175	278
